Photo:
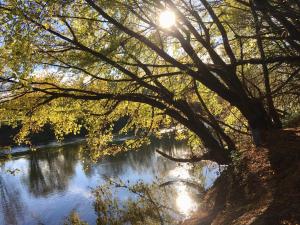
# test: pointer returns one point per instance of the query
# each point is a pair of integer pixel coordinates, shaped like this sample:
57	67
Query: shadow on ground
263	189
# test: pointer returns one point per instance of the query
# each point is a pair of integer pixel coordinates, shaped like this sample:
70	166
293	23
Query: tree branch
183	160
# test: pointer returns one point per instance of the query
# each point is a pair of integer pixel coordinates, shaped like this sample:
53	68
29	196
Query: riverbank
23	150
263	189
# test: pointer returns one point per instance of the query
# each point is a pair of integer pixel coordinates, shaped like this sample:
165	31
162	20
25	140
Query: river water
45	186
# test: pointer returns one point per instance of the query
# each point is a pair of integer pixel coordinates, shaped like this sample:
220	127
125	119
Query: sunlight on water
185	204
180	172
52	182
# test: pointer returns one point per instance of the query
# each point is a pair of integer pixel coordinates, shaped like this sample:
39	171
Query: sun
167	19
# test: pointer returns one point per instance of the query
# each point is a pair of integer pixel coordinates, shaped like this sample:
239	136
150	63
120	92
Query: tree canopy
224	67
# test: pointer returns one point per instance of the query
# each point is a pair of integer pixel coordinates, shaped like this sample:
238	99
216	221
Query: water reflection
12	207
50	170
55	181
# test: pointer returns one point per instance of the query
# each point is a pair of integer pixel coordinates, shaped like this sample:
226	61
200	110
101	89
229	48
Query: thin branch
193	159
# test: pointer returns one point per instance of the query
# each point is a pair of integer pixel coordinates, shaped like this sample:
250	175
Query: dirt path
262	189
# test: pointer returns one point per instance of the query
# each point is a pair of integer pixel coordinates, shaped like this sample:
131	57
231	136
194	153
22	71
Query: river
46	185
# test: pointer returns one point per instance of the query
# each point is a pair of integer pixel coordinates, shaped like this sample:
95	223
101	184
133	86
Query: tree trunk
258	119
275	120
215	151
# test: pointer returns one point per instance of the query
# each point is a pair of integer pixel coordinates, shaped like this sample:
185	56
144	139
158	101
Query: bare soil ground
263	188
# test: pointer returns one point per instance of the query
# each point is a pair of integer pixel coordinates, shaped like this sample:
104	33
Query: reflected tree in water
50	171
10	203
74	219
146	204
153	204
141	160
119	202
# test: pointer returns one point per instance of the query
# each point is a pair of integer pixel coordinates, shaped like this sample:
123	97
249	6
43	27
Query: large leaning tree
214	67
